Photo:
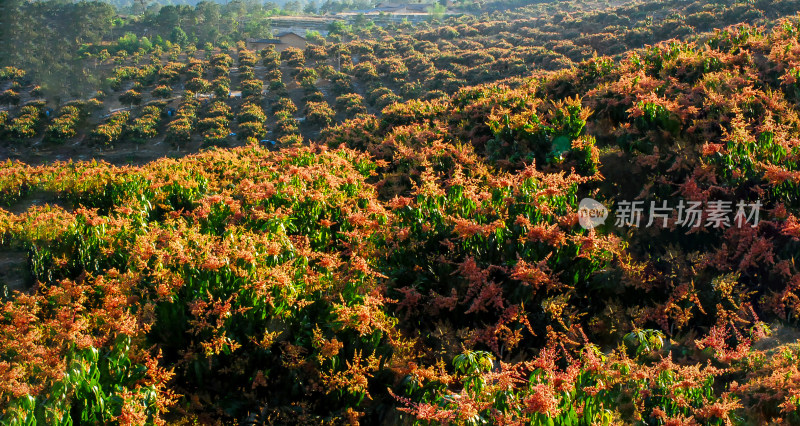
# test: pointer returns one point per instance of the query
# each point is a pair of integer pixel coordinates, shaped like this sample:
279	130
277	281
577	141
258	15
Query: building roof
266	41
285	33
418	6
408	6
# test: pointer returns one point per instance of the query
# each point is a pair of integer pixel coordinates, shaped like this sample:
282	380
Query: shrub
314	96
271	60
162	92
286	124
215	127
319	114
221	87
170	73
110	130
293	57
251	112
26	124
341	84
11	73
247	58
251	87
198	85
179	131
284	104
194	69
10	97
274	76
131	97
221	59
145	126
350	104
64	126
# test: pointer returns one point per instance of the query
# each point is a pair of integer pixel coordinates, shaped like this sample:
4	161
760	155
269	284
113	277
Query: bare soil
14	272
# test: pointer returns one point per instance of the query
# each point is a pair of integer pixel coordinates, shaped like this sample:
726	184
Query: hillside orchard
387	227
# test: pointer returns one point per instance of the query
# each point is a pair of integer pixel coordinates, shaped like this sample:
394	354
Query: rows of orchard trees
430	261
63	57
145	86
